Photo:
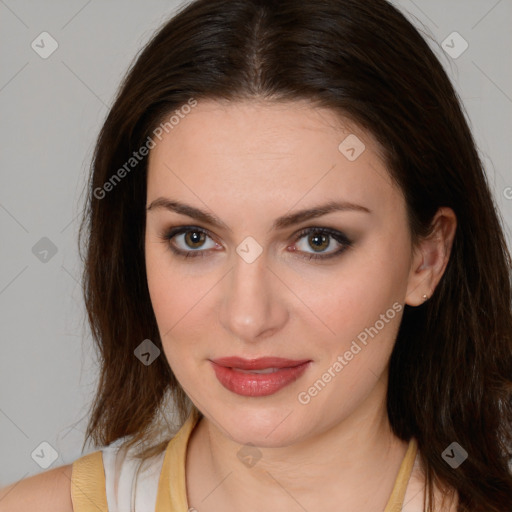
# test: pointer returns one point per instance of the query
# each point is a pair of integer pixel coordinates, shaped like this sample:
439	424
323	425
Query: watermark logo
44	250
454	45
454	455
44	455
147	352
249	455
352	147
44	45
249	250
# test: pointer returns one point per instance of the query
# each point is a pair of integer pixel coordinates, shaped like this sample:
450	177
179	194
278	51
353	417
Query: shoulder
49	491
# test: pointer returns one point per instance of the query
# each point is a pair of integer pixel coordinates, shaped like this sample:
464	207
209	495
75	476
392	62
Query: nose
254	304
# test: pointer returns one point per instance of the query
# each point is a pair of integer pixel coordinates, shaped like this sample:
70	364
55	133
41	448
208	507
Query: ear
431	257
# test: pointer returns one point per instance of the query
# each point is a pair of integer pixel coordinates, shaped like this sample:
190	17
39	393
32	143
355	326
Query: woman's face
324	291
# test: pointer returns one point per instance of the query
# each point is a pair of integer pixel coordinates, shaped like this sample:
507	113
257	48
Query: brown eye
319	242
189	241
194	239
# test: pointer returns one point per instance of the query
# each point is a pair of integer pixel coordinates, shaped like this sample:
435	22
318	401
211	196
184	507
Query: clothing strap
396	499
172	493
172	496
88	490
88	484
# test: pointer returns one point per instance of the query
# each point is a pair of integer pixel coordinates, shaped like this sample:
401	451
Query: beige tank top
162	486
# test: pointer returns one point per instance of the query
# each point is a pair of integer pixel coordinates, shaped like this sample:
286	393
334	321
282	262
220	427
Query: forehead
254	149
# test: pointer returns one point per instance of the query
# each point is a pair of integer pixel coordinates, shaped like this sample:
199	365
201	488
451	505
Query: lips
258	377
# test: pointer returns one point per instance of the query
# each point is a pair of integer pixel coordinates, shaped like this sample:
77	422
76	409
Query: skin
249	163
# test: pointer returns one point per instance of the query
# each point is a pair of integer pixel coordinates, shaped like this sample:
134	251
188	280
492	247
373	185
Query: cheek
169	305
180	303
160	288
361	303
352	295
167	291
173	293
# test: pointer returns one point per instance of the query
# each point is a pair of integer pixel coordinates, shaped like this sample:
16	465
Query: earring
425	297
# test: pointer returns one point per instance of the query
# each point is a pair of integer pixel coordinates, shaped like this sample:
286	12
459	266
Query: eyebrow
280	223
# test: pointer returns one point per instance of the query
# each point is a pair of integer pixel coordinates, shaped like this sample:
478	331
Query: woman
290	235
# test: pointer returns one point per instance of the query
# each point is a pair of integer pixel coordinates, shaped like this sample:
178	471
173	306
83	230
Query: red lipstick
258	377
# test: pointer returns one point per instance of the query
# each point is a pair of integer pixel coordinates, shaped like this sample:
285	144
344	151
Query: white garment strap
124	494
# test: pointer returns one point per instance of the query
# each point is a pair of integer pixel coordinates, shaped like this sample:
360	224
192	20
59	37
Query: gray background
51	111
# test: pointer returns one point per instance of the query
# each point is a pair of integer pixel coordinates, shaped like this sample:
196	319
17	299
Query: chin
265	426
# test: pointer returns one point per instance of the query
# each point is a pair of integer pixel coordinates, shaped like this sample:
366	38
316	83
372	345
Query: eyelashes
322	234
317	236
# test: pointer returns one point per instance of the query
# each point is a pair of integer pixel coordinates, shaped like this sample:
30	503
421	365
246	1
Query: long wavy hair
451	367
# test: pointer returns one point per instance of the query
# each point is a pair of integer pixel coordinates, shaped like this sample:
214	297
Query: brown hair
451	367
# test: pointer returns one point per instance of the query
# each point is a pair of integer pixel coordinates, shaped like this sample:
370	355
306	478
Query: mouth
258	377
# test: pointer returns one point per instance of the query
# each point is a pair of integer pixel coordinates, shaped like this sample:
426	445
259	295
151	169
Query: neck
353	462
